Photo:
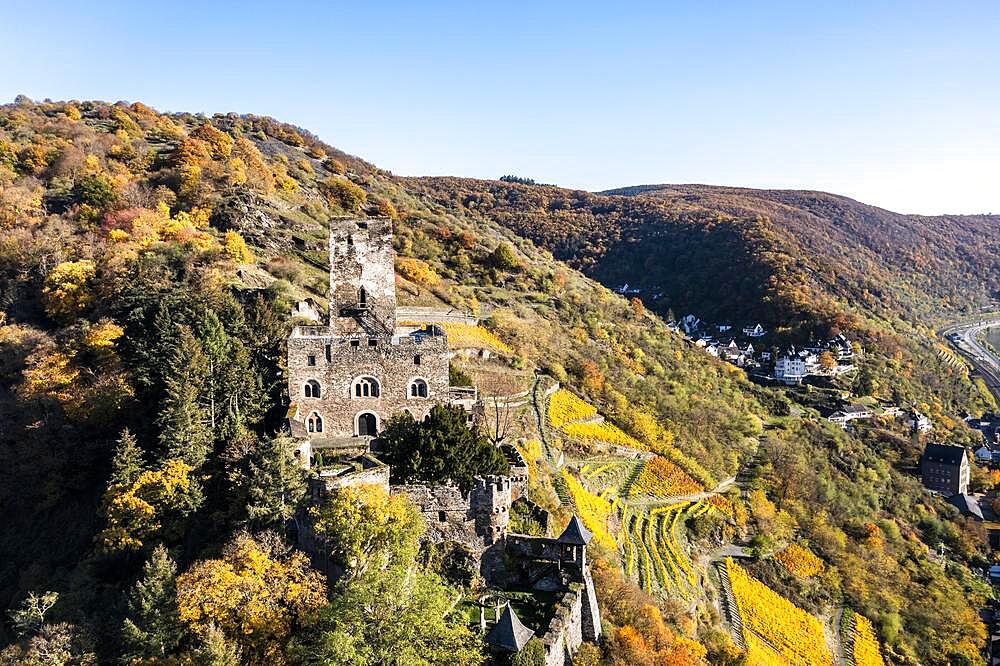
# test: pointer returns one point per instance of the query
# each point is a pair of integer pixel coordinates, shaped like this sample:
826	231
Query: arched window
362	297
314	423
418	388
311	389
366	387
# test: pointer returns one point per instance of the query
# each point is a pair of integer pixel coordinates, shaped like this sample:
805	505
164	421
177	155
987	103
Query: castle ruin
345	378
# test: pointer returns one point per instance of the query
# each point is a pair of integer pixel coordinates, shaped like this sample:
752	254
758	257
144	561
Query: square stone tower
362	277
347	378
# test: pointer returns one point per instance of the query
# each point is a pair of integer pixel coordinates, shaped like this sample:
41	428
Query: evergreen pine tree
276	483
152	628
127	461
219	377
217	650
183	420
234	393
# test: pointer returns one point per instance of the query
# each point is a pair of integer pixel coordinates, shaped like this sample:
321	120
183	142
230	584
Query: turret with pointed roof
575	533
509	634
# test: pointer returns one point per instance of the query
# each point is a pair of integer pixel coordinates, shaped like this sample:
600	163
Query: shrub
345	194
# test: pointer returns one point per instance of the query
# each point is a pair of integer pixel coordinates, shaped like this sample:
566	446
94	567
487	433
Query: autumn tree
366	528
67	290
345	194
417	271
503	257
258	594
236	248
827	360
153	505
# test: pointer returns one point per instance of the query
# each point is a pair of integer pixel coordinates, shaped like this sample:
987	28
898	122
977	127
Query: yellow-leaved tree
366	528
139	509
237	248
257	594
66	293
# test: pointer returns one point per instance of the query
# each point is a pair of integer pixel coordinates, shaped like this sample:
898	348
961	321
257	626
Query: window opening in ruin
355	343
366	387
372	342
311	360
418	388
312	389
442	517
362	297
329	352
315	423
416	360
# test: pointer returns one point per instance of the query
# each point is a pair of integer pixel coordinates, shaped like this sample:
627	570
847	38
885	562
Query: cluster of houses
989	426
914	420
745	347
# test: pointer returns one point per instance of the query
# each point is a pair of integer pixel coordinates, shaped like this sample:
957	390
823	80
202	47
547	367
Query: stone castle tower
362	279
346	378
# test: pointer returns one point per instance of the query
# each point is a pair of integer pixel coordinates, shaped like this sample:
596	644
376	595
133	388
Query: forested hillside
801	263
148	266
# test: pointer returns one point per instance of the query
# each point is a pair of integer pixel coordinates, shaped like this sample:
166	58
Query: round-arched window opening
314	423
312	389
418	388
367	424
366	387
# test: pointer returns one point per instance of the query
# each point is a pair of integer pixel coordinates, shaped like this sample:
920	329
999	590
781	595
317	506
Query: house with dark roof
945	469
968	505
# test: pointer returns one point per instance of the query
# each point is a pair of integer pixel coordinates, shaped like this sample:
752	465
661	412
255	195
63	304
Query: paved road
963	338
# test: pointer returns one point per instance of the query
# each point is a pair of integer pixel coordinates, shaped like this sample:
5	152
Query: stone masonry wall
362	257
392	362
478	520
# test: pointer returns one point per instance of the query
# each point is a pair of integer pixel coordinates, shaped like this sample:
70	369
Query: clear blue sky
896	104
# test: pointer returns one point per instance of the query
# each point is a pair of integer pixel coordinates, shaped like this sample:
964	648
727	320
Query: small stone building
346	378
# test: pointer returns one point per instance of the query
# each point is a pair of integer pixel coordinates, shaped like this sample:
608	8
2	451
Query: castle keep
346	378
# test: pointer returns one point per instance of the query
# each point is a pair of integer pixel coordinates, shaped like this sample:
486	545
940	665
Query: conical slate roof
509	634
575	533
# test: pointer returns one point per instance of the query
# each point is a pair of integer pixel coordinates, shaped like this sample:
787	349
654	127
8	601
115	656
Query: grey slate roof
509	634
944	453
967	504
575	533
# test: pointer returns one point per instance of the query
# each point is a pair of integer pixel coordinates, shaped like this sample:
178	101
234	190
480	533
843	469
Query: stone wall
576	619
339	361
362	258
478	519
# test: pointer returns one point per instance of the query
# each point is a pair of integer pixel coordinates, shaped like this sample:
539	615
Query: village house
945	469
790	369
917	422
849	413
754	331
984	455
